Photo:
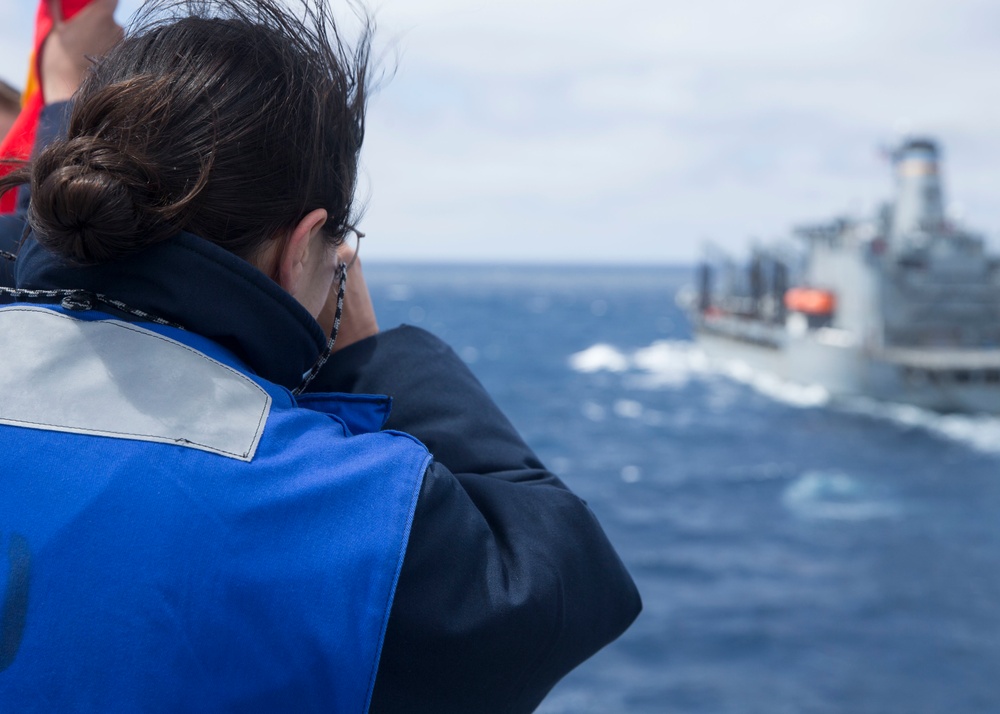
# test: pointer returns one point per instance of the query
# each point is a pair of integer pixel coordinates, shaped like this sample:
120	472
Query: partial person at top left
69	36
10	107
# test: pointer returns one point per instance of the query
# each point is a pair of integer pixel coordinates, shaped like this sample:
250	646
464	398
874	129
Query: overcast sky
631	131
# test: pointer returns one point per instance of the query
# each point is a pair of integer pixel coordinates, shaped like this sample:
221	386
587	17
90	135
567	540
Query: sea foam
674	363
599	358
667	364
834	496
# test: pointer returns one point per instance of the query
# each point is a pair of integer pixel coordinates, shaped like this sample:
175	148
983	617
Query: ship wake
673	364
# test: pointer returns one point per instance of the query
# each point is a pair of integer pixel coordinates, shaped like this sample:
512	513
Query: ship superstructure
904	306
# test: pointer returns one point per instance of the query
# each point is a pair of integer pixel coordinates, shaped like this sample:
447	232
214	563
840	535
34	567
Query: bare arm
69	48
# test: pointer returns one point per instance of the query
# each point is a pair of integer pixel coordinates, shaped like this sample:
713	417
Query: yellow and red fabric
21	137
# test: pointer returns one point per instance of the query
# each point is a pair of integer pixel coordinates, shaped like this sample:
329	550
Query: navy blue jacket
508	581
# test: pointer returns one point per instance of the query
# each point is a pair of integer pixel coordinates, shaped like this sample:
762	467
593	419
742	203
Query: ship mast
919	210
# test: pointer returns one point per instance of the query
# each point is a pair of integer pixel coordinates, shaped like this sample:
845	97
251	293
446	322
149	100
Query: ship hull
965	381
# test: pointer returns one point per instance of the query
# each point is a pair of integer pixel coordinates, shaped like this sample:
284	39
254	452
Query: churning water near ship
795	552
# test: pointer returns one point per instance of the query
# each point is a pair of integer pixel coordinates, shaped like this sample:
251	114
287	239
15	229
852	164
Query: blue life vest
179	535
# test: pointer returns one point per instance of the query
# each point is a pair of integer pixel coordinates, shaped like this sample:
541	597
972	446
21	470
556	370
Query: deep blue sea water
794	555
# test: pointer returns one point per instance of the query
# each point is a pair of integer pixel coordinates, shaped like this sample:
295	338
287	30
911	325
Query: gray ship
903	307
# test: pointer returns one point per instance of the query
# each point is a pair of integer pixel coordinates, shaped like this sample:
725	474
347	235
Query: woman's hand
358	320
67	52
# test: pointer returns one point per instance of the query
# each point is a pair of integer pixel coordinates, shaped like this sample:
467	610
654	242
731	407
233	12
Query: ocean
794	554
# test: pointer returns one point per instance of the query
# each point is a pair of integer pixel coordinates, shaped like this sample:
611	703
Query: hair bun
91	202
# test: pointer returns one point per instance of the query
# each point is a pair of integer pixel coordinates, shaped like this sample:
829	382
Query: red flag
21	137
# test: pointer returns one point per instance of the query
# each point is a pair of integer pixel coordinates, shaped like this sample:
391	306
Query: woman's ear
306	263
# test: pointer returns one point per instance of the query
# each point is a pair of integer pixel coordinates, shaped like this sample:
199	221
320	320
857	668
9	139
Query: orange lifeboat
811	301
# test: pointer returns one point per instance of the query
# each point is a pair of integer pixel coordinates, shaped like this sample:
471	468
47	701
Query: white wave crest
670	362
599	358
834	496
674	363
980	431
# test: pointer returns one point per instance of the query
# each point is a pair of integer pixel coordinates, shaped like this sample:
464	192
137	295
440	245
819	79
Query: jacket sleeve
508	581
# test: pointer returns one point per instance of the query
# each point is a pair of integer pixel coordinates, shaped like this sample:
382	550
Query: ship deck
940	359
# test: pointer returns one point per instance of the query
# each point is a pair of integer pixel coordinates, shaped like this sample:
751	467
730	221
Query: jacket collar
202	287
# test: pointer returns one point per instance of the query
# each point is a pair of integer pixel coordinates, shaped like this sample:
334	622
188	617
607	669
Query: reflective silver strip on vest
112	378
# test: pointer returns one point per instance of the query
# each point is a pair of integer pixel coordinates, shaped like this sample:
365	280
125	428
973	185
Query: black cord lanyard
328	350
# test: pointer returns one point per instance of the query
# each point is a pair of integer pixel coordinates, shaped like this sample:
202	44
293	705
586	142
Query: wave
599	358
667	364
980	431
834	496
674	363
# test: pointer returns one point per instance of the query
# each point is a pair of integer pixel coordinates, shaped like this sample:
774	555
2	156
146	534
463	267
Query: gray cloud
594	130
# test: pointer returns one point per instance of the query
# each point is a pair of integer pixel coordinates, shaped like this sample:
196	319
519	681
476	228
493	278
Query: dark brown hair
231	119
